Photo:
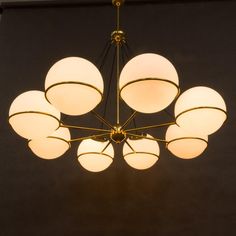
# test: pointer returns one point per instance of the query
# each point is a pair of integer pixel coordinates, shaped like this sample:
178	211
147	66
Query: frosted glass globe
90	156
52	146
31	116
74	86
200	109
148	83
185	144
146	153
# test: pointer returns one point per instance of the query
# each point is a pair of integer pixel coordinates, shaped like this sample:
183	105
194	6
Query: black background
59	197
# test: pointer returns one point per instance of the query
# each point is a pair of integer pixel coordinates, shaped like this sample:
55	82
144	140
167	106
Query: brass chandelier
148	83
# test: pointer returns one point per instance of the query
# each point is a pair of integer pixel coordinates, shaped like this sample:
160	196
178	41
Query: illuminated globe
53	146
148	83
74	86
200	109
92	157
31	116
185	144
145	154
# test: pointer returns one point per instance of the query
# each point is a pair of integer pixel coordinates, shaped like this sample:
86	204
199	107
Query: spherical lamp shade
74	86
145	153
31	116
200	109
52	146
91	157
185	144
148	83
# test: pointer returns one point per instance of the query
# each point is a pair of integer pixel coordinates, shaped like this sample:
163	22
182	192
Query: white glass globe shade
185	144
146	153
52	146
31	116
91	157
148	83
74	86
200	109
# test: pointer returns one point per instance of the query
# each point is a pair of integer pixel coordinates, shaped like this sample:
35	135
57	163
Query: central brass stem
117	38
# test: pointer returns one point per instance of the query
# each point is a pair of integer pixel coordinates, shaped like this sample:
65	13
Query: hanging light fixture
148	83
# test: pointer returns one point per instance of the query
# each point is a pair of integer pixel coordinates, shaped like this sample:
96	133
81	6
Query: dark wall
58	197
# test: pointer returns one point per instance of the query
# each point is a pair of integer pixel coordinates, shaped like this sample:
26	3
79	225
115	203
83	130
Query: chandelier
148	83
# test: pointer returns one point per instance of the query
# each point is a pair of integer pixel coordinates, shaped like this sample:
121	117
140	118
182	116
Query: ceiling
58	197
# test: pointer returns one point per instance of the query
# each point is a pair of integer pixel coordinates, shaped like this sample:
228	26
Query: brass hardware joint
118	37
118	135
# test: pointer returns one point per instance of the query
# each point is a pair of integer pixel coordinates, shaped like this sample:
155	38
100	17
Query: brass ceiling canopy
117	3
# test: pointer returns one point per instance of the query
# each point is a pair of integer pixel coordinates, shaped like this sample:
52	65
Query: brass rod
88	137
118	68
83	128
129	145
103	120
117	85
129	119
149	153
151	126
99	153
153	79
145	137
103	150
201	107
118	16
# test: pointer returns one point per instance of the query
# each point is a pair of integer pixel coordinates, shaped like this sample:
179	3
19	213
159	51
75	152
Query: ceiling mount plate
117	3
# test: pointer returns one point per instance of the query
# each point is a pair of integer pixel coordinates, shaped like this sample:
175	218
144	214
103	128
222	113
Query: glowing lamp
52	146
185	144
94	155
200	109
148	83
74	86
31	116
144	155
